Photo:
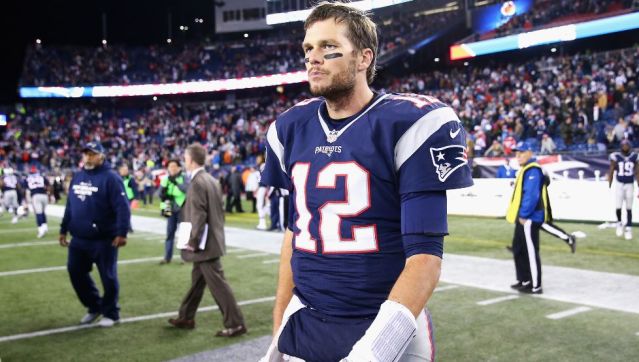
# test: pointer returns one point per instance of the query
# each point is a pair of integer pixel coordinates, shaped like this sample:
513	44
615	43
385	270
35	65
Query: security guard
172	193
97	215
528	212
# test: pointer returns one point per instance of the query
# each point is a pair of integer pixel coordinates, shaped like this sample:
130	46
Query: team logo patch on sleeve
448	159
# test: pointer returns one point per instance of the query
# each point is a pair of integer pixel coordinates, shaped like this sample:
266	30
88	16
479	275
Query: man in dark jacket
97	215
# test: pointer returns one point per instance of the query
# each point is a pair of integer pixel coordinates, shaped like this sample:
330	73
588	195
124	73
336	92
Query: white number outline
322	228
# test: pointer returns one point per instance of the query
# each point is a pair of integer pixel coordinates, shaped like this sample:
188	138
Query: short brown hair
362	31
197	153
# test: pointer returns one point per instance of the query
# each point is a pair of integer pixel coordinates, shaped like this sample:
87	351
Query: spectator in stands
547	145
495	149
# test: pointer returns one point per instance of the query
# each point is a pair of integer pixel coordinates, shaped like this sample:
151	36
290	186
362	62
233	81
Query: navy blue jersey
37	184
346	185
625	166
9	182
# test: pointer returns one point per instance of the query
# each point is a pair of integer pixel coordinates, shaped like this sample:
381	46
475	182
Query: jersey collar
333	134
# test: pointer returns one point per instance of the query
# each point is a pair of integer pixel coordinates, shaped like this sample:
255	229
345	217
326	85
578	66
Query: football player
367	174
38	187
623	164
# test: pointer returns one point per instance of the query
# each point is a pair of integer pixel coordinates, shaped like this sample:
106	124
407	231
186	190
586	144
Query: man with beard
97	216
360	257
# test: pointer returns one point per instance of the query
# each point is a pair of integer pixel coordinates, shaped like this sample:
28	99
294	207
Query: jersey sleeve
274	173
431	154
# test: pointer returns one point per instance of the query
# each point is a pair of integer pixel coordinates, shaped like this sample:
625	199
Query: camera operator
172	193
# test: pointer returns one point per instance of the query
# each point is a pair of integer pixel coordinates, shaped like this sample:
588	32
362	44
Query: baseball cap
93	146
523	146
625	141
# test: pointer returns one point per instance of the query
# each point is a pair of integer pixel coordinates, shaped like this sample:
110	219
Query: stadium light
552	50
104	42
466	64
301	15
168	40
38	41
155	98
436	60
246	35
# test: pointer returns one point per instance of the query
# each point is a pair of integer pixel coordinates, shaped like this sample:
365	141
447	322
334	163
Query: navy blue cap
93	146
523	146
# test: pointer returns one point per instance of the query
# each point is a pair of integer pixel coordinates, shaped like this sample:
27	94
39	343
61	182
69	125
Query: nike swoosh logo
454	134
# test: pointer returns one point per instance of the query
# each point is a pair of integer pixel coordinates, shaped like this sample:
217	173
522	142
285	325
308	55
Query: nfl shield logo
448	159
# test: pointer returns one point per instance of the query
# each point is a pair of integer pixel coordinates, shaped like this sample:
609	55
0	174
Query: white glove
387	337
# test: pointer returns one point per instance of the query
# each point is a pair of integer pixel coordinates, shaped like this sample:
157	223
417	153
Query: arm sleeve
120	204
431	154
199	214
424	222
275	173
531	192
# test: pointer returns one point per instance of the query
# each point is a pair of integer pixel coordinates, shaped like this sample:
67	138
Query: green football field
36	295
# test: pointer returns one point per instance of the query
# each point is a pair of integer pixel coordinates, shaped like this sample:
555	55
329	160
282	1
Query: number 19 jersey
346	181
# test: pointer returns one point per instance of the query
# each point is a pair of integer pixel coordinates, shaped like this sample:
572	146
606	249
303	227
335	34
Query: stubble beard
342	85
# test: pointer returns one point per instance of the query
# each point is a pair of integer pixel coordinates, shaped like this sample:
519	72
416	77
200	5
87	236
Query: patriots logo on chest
448	159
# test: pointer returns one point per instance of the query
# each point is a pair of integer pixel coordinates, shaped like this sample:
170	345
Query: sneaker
164	261
619	229
41	232
520	285
628	233
14	220
531	290
572	242
89	318
107	322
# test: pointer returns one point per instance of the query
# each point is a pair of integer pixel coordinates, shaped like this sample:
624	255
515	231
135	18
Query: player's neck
351	104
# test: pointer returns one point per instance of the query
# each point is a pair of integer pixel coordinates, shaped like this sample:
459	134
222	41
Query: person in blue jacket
97	216
528	211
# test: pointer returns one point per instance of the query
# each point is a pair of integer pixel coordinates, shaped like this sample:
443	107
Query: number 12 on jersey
331	213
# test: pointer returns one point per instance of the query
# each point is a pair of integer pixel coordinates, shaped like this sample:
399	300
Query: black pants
79	264
526	253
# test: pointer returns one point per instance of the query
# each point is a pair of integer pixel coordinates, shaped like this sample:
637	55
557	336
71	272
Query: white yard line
497	300
615	291
27	243
256	255
234	251
48	332
568	313
34	229
446	287
272	261
55	268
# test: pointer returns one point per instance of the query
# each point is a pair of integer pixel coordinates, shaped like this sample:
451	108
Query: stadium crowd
586	102
277	52
545	12
559	103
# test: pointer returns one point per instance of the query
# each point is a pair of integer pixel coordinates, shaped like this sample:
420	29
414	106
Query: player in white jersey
623	168
10	193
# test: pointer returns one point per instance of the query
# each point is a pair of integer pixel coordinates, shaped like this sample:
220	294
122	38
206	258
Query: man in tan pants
203	211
